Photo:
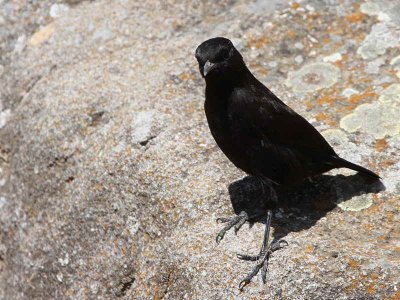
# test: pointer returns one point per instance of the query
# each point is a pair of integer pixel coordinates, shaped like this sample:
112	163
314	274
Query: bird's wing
268	119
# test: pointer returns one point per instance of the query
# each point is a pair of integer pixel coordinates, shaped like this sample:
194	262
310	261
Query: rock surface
110	182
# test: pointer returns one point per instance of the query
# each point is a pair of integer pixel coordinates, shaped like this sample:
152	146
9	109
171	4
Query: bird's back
263	136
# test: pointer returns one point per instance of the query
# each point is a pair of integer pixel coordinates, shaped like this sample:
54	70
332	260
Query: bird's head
217	57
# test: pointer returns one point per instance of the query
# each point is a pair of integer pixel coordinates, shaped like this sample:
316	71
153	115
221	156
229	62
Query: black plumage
257	131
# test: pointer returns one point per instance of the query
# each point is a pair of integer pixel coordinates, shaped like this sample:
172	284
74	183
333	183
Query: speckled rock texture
110	181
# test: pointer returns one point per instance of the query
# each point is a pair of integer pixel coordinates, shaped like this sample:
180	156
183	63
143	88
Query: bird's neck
223	85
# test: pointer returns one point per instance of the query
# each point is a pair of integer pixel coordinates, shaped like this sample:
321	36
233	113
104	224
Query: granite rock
110	181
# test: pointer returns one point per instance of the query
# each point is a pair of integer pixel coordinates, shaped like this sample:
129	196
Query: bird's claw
236	222
278	245
274	247
243	283
262	262
222	220
219	237
247	257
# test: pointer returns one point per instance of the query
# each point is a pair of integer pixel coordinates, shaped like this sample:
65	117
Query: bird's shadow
302	206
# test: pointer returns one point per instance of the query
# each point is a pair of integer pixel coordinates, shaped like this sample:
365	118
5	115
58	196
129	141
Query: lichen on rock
382	37
380	119
357	203
313	77
110	181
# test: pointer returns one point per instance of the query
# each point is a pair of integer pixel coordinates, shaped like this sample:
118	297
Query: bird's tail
342	163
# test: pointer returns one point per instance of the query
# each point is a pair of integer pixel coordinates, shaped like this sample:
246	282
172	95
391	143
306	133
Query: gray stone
333	57
58	10
141	126
349	92
110	181
4	116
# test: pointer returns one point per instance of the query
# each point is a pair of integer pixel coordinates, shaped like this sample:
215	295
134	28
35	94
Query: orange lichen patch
314	15
295	5
346	109
345	57
168	204
364	79
336	47
309	104
326	99
321	117
353	286
339	64
369	226
258	42
186	76
190	109
385	85
359	283
373	276
258	68
263	71
381	145
355	17
197	247
354	264
374	209
392	72
396	296
309	249
386	162
371	289
357	98
291	34
336	31
326	40
360	37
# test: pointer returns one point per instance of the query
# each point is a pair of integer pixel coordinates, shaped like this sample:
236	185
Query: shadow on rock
300	207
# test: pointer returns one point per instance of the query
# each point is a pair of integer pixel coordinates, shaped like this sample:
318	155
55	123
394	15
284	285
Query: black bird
260	135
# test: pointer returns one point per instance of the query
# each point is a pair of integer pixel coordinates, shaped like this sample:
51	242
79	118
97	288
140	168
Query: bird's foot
262	260
235	221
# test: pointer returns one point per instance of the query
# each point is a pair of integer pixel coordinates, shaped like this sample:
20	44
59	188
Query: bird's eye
224	55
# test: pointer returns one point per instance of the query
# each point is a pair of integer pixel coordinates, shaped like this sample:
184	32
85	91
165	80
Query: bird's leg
236	221
262	258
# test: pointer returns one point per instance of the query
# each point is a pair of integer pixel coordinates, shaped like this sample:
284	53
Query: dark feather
257	131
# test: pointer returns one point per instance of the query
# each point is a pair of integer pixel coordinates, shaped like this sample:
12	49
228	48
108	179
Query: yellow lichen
355	17
42	35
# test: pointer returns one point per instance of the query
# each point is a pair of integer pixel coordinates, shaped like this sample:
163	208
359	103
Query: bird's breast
220	127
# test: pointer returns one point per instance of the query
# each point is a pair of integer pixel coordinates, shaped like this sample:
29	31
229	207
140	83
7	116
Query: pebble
58	10
4	116
332	58
299	45
299	59
349	92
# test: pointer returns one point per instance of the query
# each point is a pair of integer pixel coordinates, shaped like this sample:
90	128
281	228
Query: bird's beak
208	66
